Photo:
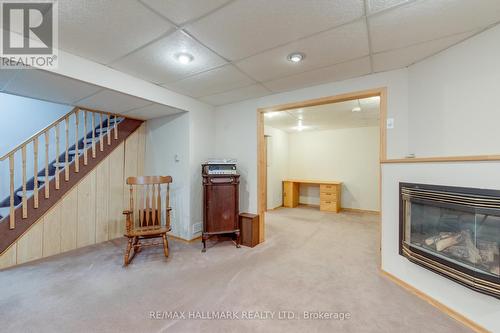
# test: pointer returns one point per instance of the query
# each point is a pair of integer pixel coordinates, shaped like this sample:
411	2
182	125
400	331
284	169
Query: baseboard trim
356	210
188	241
440	306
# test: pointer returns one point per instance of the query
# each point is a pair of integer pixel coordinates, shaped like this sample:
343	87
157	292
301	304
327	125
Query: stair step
89	141
113	120
4	211
61	165
72	151
104	130
41	179
28	193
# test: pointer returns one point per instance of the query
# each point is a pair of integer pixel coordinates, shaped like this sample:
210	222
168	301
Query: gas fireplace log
433	239
487	250
447	242
474	255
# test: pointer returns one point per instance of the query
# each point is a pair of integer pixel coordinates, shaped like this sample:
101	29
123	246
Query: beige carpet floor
311	262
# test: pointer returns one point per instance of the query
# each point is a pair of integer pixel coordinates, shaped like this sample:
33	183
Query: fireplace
453	231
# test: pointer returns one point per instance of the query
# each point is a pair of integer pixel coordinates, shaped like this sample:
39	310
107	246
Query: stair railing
46	132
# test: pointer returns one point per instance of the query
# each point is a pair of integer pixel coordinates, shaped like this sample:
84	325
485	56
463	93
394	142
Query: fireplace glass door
454	232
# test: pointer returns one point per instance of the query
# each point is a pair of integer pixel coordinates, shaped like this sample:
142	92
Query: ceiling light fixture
271	114
184	58
300	126
357	108
296	57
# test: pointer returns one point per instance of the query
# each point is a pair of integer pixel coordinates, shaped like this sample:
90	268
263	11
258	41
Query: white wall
454	100
190	137
453	110
445	105
277	165
20	118
202	140
349	155
236	125
167	154
482	309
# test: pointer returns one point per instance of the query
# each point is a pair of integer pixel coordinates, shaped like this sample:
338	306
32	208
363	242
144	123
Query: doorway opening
323	153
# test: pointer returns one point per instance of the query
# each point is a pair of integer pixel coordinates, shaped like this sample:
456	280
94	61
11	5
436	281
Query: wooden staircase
75	157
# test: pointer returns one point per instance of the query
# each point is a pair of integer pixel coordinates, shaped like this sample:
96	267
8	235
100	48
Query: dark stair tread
5	211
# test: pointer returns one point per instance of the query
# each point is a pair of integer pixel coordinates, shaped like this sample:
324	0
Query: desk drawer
328	205
325	188
329	196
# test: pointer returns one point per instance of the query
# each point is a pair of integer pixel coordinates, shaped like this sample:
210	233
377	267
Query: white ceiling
55	88
327	116
240	46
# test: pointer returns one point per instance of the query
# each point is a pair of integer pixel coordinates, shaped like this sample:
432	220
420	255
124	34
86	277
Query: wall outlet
197	228
390	123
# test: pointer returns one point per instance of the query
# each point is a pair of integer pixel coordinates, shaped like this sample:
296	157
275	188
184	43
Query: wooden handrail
45	132
53	124
36	135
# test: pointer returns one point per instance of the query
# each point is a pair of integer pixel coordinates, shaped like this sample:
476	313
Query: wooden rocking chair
144	216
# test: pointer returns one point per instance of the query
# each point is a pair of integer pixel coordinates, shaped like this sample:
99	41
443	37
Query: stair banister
34	139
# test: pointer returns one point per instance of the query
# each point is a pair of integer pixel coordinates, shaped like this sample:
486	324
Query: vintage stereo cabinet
220	205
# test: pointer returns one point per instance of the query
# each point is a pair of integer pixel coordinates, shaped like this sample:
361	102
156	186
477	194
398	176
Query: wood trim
383	124
261	184
440	306
326	100
38	134
261	176
313	181
366	211
187	241
274	208
477	158
8	236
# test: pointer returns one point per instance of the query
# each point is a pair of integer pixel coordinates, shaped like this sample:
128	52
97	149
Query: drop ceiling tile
331	47
236	95
104	30
43	85
244	28
427	20
400	58
181	11
157	63
337	72
153	111
212	82
379	5
112	101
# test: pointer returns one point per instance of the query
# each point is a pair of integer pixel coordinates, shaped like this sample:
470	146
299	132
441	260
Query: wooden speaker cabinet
249	226
220	206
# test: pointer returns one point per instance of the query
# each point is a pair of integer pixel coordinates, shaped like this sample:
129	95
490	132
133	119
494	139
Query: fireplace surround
453	231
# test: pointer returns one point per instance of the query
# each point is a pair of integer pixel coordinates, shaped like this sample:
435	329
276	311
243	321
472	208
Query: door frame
261	159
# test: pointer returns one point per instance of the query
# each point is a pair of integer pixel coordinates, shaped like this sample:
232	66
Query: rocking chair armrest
128	212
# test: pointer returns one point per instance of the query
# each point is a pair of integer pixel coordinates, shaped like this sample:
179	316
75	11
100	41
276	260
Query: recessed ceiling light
184	58
296	57
357	108
271	114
